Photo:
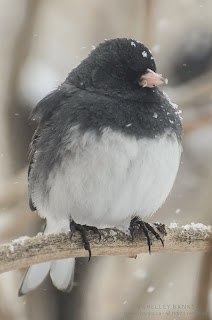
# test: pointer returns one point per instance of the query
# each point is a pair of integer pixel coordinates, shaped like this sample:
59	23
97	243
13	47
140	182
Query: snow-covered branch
26	251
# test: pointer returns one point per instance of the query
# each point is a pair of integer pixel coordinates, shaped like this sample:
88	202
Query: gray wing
31	156
42	114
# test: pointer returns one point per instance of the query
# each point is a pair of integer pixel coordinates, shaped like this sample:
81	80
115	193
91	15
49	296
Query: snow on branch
26	251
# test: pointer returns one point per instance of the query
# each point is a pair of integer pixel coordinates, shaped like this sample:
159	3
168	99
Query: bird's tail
61	273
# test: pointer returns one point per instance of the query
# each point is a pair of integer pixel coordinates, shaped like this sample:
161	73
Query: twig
26	251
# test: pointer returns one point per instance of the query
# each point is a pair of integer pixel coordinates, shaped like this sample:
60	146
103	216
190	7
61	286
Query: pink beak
151	79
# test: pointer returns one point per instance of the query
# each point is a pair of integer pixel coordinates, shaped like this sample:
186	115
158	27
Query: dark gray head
118	63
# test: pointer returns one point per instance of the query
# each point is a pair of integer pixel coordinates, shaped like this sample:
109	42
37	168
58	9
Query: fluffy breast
104	181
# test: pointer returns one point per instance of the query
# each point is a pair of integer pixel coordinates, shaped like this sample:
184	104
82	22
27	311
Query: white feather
61	271
34	277
62	274
105	181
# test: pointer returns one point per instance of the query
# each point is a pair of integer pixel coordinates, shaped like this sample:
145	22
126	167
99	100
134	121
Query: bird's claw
83	229
137	224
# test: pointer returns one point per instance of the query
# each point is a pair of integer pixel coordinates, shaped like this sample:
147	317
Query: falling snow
140	273
156	48
171	284
150	289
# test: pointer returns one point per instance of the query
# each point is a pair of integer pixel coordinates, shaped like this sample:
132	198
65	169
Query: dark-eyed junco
106	150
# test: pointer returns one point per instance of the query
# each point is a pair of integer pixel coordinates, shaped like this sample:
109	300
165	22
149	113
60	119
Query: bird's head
120	64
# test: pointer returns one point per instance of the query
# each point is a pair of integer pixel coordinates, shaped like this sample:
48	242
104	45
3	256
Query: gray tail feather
61	272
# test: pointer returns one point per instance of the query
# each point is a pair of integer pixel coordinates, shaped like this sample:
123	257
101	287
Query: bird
105	152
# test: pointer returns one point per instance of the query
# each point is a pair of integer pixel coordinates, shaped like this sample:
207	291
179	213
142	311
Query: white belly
104	182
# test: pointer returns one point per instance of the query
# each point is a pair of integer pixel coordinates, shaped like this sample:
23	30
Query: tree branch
26	251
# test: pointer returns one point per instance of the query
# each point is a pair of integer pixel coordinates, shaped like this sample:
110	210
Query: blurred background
41	41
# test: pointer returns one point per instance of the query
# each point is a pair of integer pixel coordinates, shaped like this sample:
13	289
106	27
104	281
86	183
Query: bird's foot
137	224
83	229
